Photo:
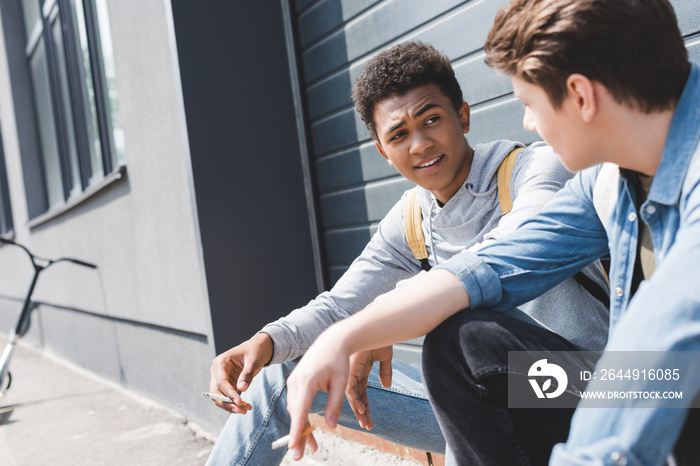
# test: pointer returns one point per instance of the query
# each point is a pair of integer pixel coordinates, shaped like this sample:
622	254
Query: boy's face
422	135
560	128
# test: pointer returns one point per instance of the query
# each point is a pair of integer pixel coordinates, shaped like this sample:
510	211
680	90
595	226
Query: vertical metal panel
337	43
291	41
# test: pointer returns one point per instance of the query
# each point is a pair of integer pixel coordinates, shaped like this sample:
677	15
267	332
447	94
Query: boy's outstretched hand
324	367
356	389
232	371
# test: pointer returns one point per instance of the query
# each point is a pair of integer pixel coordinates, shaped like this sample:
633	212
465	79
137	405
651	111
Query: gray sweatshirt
471	219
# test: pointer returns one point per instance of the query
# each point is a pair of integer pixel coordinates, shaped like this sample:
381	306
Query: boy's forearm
403	314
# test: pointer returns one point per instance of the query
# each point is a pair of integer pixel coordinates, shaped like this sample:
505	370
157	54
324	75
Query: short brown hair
399	69
632	47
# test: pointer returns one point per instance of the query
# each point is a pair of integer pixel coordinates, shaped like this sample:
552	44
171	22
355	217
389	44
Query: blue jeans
401	414
470	351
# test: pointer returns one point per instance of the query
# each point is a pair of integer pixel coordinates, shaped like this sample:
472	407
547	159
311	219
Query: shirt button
619	458
619	292
632	216
651	209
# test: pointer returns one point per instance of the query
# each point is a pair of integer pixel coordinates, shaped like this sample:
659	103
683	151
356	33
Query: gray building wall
162	235
142	318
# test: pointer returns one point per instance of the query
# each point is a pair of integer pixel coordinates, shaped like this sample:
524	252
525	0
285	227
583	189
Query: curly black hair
399	69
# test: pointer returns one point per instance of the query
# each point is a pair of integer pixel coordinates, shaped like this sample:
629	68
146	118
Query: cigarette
284	441
214	396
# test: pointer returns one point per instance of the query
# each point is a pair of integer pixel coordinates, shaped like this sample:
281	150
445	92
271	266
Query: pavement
57	414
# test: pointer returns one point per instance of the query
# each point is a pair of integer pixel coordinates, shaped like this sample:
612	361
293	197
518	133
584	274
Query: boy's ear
584	94
464	117
381	151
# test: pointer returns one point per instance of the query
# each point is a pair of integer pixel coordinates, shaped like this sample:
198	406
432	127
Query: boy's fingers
359	403
223	387
334	405
220	382
359	410
368	424
299	399
238	406
385	373
246	377
354	400
297	441
299	450
229	390
311	442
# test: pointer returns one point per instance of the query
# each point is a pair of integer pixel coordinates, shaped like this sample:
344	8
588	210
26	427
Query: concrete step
58	414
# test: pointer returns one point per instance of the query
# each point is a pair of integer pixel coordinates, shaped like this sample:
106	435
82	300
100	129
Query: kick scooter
40	264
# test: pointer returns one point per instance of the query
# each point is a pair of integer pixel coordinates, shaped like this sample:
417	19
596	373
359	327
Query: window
69	51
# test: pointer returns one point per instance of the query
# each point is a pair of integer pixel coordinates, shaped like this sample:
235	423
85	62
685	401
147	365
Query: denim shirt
663	315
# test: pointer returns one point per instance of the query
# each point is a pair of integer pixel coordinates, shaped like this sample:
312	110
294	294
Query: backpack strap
592	287
413	226
505	173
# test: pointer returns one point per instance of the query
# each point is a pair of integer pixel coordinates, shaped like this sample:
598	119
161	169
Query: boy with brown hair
608	85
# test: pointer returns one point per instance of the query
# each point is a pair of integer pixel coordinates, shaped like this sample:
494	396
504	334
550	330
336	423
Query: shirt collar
680	144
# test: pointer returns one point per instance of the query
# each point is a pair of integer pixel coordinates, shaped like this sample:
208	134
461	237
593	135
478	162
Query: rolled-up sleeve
478	278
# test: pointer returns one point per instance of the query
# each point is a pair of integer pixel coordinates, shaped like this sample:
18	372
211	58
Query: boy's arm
385	261
375	271
399	316
548	249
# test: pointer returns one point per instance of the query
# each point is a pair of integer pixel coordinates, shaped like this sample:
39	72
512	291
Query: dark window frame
76	181
6	221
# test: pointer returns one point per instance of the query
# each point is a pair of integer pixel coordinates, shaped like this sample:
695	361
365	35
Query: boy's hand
324	367
233	371
356	390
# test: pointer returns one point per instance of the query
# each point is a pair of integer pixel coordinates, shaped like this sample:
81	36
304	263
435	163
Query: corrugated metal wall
336	38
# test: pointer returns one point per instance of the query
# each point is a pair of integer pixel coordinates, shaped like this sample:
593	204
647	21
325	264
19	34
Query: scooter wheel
7	382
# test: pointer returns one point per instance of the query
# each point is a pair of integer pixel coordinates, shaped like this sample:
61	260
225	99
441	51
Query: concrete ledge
418	456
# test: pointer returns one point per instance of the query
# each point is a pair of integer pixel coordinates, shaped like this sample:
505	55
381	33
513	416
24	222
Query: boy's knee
273	375
467	328
440	337
470	339
448	343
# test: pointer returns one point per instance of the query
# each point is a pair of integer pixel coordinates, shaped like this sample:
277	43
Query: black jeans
465	364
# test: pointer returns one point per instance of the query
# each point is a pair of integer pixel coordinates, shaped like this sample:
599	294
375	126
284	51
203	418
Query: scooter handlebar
34	258
83	263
